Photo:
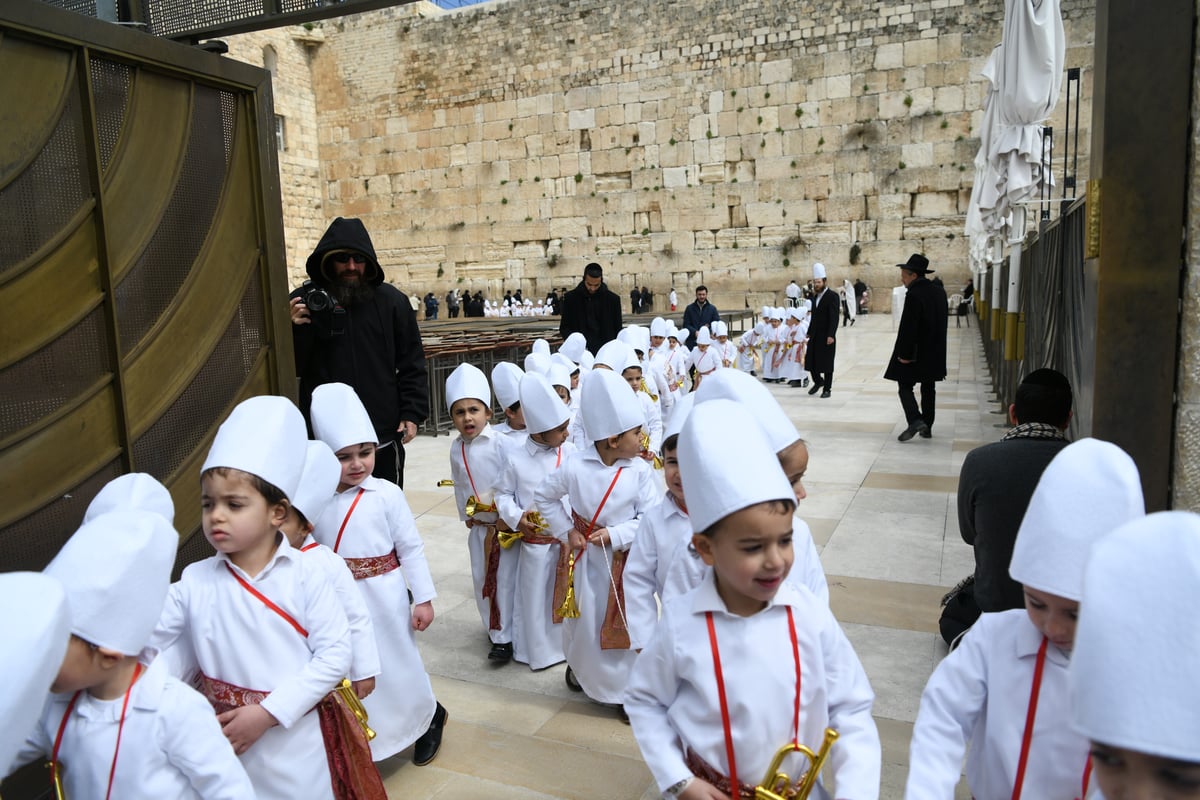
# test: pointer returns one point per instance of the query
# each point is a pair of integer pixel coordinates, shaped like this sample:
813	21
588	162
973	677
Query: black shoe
795	384
824	394
501	653
753	374
816	387
572	682
426	748
621	715
912	430
926	432
805	383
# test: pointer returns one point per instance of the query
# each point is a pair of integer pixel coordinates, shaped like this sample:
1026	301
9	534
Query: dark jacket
696	317
379	354
922	335
597	316
827	309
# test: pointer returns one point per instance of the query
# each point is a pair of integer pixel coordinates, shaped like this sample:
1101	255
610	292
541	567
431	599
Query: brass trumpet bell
776	785
346	690
538	521
474	506
445	482
507	539
658	464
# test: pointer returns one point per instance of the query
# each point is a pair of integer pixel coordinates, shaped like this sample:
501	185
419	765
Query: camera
328	317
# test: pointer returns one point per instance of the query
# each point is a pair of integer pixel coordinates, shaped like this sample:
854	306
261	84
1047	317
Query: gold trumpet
658	464
507	539
474	506
445	482
569	608
56	779
778	786
346	690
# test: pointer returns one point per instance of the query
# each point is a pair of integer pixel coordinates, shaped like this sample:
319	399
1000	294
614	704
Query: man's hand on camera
300	312
407	431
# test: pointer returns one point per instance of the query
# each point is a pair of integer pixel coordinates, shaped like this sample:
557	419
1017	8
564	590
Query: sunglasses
346	258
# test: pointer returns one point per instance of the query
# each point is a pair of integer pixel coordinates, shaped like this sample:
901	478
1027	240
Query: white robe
402	705
706	362
793	357
727	353
485	456
664	528
237	639
654	424
979	696
673	704
584	480
171	746
745	351
364	661
537	640
678	360
655	379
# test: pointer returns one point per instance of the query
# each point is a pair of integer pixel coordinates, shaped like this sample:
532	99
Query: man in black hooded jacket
368	340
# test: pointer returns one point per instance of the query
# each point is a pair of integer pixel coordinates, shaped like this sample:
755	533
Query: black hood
344	234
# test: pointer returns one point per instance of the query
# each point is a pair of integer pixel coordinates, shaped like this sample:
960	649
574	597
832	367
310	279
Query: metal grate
228	122
154	280
168	17
30	543
110	92
42	382
179	431
38	203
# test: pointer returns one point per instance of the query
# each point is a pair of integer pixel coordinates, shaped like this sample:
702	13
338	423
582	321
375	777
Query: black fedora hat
916	263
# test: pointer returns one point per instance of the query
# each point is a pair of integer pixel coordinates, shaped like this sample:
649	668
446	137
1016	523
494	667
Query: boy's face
564	394
358	461
657	341
516	419
627	444
1128	775
794	461
751	553
671	474
82	667
294	529
553	437
235	516
1054	616
633	376
469	416
574	380
722	338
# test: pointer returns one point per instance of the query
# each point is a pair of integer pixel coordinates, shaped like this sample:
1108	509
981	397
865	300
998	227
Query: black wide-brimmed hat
916	263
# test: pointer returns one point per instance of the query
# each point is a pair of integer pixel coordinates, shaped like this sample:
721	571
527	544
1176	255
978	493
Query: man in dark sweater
998	479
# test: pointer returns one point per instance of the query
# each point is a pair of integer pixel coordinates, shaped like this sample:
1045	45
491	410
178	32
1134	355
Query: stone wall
1186	484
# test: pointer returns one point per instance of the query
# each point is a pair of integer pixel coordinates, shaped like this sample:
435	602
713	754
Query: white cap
558	376
760	328
115	571
1137	652
766	311
541	345
703	336
641	339
679	415
678	333
726	465
587	360
544	409
733	384
34	627
537	362
134	491
318	482
658	327
1089	489
795	313
564	362
574	346
719	328
629	336
616	355
506	382
264	436
467	380
818	271
781	313
339	418
608	407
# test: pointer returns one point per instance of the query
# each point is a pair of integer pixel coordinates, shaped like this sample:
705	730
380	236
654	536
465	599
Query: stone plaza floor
883	517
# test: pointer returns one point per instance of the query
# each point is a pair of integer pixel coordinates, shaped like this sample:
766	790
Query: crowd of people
636	515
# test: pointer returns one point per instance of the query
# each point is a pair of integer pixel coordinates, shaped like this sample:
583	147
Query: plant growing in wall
855	252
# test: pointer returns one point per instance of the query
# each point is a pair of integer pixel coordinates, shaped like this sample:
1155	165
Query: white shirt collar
705	597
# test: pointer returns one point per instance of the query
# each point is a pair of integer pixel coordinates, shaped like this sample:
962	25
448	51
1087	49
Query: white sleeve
506	495
653	685
173	620
462	483
364	660
192	742
409	548
622	535
857	758
548	499
641	610
654	425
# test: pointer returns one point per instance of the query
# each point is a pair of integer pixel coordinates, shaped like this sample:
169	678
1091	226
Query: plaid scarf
1035	430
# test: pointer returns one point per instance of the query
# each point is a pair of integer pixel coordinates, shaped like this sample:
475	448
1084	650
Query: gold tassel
569	609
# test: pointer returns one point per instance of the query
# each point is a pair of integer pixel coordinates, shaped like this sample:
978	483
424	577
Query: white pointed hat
1089	489
1137	652
733	384
615	355
607	405
658	327
586	361
339	418
681	334
766	312
818	271
703	336
564	362
558	376
628	335
467	380
679	414
726	465
537	362
544	409
264	436
506	382
719	328
573	346
795	313
35	628
541	345
318	482
116	570
131	492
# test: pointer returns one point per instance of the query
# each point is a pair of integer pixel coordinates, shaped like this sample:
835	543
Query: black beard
349	293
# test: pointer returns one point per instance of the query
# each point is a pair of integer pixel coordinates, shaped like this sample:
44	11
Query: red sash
373	566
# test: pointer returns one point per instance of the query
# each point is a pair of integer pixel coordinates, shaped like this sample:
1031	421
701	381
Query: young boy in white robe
678	361
705	359
748	345
797	331
477	459
772	354
726	350
265	627
1002	692
1133	673
746	663
370	525
118	724
608	488
506	382
537	633
621	358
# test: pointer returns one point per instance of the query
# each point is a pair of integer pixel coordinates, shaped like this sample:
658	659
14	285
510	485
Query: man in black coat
698	314
920	352
368	339
822	333
592	309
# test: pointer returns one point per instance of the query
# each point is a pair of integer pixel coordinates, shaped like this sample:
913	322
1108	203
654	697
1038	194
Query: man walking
592	309
698	314
920	352
822	333
793	293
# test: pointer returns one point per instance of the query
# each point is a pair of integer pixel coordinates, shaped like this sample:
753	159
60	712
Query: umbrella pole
1016	236
996	326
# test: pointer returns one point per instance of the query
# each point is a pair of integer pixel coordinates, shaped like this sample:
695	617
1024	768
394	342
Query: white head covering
760	328
564	362
679	414
574	346
34	627
658	327
541	345
467	380
264	436
807	306
339	418
115	571
616	355
795	313
608	407
1137	652
318	482
506	381
537	362
641	340
558	376
818	271
733	384
766	312
627	335
1089	489
544	409
719	328
487	303
703	336
679	334
726	467
129	492
587	360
